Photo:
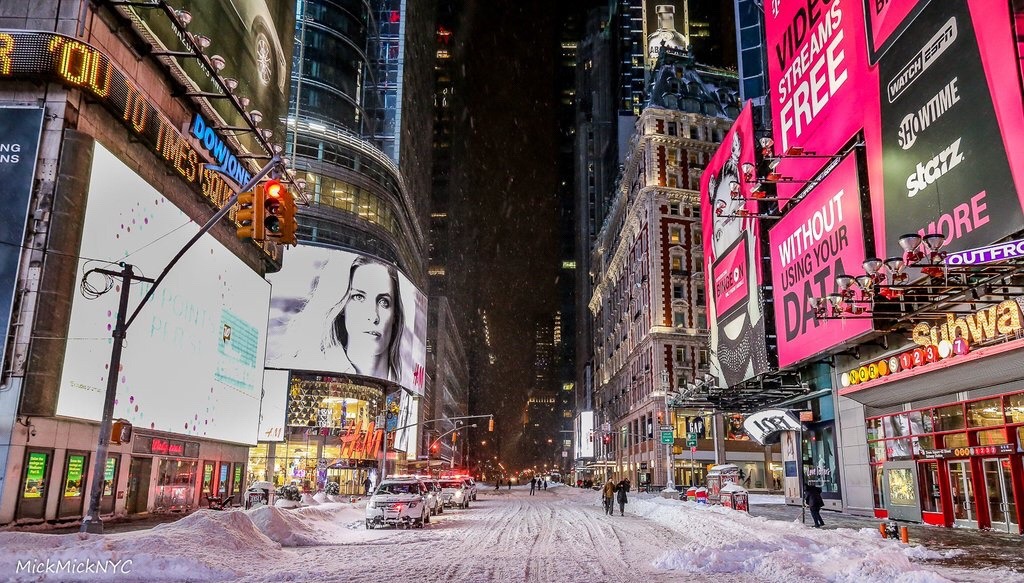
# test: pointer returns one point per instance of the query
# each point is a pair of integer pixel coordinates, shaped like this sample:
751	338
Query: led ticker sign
76	64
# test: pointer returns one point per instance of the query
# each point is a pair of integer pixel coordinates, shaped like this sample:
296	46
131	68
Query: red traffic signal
278	212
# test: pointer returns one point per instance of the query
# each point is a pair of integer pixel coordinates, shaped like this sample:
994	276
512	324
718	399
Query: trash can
701	495
258	494
691	494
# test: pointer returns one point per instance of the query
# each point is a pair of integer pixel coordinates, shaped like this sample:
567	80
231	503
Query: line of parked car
410	501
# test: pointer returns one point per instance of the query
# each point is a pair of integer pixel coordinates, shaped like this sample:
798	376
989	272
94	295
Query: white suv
398	501
455	492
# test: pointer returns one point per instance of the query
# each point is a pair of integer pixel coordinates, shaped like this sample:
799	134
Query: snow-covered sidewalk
560	534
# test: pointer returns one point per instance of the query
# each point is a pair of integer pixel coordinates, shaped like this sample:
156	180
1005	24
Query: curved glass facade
329	62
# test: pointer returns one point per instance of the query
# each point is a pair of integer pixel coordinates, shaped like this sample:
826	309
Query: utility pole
92	523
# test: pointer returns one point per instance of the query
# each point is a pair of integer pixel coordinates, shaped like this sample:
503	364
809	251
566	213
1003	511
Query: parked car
470	482
455	492
401	502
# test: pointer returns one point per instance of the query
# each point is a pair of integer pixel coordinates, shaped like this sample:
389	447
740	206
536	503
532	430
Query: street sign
691	439
667	437
666	428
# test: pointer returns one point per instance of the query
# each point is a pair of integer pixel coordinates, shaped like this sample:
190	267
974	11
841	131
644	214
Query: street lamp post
669	470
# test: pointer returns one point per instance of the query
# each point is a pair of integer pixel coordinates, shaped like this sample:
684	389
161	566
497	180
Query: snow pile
210	538
714	539
327	524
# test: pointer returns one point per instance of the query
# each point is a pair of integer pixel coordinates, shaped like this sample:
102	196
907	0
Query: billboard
663	26
193	361
886	21
818	71
821	237
732	259
585	435
273	405
951	118
19	145
255	39
341	312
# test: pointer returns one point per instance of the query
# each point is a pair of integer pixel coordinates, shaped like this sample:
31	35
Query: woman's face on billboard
370	312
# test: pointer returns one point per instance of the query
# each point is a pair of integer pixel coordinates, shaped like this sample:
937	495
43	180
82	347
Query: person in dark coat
533	485
812	498
366	486
620	497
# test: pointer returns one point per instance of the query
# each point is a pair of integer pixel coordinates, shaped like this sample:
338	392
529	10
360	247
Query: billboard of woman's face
731	257
340	312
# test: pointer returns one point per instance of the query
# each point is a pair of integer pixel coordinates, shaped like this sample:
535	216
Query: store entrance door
962	488
999	487
137	498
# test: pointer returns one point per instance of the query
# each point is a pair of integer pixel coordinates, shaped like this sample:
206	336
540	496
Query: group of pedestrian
537	483
612	493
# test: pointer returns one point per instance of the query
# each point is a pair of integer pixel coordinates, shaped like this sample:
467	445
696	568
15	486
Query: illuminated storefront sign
168	447
76	64
953	338
989	254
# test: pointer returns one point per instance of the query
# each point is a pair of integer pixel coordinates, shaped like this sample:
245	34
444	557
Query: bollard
881	529
904	535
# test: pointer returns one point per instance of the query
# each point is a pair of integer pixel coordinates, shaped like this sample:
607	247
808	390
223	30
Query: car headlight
413	504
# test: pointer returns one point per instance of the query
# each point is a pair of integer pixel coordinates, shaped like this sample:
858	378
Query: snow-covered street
557	535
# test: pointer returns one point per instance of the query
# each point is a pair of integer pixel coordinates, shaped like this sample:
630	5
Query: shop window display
954	440
175	485
752	475
820	463
991	437
950	418
1015	408
985	413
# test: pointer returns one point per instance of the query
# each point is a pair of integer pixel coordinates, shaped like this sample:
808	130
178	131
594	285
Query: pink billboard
886	19
819	77
823	236
731	259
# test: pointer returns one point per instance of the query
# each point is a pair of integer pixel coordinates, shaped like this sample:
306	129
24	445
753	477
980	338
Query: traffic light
454	435
660	417
278	212
490	424
607	438
250	216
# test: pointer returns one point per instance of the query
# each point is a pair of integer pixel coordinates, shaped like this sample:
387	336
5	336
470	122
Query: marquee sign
937	342
763	426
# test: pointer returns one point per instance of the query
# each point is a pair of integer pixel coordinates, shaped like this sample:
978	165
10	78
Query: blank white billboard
193	359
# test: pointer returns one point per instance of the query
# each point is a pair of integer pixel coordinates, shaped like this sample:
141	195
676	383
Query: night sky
506	144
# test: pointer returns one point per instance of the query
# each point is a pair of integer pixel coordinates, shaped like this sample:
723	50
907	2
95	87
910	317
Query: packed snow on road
558	535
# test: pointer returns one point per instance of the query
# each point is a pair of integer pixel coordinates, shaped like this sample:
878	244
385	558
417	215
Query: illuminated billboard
273	405
950	123
886	21
340	312
19	145
819	79
193	360
820	238
663	27
255	39
585	435
732	259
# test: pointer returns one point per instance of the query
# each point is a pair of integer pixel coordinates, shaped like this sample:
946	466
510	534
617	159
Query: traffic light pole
384	446
92	523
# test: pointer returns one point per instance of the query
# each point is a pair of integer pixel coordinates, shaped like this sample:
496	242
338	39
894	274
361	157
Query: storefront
331	435
957	464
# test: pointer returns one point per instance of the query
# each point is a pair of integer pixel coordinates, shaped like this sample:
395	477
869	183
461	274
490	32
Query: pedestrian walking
510	483
497	484
545	484
812	498
533	485
366	486
620	497
608	497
